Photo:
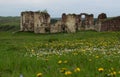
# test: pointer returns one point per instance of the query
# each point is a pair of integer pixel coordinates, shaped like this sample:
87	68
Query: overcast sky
56	7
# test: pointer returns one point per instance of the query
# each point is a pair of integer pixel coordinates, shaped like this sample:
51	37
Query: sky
56	7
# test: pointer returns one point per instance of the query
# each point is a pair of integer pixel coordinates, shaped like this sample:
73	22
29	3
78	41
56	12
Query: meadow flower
65	61
100	69
90	59
62	70
97	57
32	50
60	61
77	69
39	75
113	73
118	72
68	72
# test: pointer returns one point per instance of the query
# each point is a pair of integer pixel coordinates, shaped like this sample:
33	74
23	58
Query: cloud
56	7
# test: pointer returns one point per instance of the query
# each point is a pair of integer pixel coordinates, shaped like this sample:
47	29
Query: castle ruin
37	22
110	24
40	22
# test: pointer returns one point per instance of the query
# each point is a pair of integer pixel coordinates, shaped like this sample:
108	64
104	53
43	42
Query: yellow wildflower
60	61
114	72
32	51
118	72
97	57
100	69
68	73
39	75
62	70
65	61
77	69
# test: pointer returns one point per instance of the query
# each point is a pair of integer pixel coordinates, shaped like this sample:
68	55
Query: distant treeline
13	23
9	19
9	23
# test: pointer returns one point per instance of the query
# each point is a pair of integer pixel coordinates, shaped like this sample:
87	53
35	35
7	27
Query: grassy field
9	23
81	54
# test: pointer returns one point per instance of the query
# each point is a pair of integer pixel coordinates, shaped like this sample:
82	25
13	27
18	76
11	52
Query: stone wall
112	24
88	23
27	21
74	22
39	22
56	28
69	22
107	24
102	16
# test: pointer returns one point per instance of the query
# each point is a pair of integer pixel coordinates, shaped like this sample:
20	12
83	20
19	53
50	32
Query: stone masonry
71	23
111	24
27	21
39	22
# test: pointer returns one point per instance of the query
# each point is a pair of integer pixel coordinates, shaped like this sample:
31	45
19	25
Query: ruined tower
88	22
39	22
27	21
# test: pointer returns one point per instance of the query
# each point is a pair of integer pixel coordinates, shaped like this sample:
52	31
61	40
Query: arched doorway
83	19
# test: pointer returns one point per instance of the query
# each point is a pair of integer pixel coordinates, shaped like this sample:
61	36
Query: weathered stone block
56	28
39	22
42	22
27	21
112	24
102	16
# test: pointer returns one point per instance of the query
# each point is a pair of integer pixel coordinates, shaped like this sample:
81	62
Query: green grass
9	23
29	54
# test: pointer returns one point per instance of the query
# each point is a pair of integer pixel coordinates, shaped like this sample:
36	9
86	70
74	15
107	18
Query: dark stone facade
112	24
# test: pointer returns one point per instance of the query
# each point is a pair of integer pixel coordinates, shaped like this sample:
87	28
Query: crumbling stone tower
100	19
69	22
39	22
27	21
88	23
74	22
